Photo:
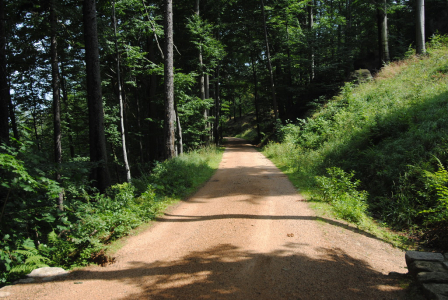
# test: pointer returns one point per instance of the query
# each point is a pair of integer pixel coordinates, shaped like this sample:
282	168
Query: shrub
437	182
340	190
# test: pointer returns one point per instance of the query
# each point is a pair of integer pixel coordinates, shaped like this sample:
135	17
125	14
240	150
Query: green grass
390	132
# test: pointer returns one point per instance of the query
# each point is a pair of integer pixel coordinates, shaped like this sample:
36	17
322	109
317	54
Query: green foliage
177	177
90	220
387	131
21	261
340	190
438	41
33	259
437	182
202	36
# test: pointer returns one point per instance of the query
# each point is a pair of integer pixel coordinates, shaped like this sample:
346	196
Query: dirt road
246	234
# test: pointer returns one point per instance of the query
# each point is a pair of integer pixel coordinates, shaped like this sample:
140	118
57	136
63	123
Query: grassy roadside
92	225
326	210
376	154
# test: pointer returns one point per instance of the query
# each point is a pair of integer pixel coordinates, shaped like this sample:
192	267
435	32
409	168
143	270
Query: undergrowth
38	234
387	137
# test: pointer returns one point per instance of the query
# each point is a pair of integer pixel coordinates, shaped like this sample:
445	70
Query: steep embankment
393	133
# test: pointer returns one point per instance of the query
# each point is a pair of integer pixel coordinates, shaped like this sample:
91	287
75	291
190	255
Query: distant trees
136	103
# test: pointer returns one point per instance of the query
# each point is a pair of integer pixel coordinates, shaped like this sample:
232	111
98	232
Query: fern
438	181
33	259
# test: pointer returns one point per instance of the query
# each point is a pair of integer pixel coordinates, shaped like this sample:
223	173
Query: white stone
47	272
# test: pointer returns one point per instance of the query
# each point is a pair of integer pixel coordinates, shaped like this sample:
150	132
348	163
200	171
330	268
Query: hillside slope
392	133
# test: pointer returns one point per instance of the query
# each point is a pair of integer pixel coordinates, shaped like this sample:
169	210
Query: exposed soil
247	234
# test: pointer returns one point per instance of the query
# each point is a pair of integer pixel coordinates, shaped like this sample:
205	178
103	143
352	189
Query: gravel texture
247	234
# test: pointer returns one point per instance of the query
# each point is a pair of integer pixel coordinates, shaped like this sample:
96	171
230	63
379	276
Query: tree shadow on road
227	272
185	218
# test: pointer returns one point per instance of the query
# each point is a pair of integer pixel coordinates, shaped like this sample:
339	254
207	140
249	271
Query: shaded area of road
226	272
246	234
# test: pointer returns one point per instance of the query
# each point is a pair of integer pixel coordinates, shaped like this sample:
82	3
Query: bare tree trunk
139	123
202	82
180	144
384	35
254	72
310	28
55	82
154	141
120	100
97	138
12	117
67	119
169	82
379	22
34	111
207	86
271	74
349	39
4	87
207	96
217	127
420	12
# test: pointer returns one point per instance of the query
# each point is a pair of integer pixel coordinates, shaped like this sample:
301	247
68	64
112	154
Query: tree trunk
180	143
55	82
271	74
348	39
120	100
310	28
12	117
154	141
4	87
217	127
202	82
97	139
34	111
379	22
139	118
207	86
420	12
169	82
254	72
384	36
67	118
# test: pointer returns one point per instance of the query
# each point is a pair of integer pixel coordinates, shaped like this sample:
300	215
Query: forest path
246	234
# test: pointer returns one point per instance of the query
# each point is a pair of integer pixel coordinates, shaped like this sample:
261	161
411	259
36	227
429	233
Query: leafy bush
438	183
35	233
28	208
436	216
340	190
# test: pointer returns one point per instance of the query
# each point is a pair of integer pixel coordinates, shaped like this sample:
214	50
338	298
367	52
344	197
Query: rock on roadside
41	274
431	272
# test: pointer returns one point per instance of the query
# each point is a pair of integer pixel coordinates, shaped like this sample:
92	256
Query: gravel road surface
247	234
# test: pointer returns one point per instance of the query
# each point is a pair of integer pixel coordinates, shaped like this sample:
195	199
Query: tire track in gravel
247	234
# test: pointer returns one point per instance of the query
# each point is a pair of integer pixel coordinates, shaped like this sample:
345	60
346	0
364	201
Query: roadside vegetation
36	234
379	149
